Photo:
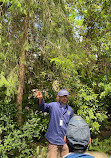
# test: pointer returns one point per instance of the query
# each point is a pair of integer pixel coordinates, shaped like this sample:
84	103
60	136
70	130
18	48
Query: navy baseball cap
63	92
78	132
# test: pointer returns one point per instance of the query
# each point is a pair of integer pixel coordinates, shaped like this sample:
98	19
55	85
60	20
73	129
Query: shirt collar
66	155
63	106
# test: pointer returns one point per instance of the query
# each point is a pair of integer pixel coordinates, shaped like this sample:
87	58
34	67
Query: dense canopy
49	45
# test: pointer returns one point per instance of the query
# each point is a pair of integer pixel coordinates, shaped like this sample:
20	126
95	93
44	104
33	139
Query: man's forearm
40	101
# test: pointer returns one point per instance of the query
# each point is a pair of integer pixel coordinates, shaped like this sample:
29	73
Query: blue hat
63	92
78	132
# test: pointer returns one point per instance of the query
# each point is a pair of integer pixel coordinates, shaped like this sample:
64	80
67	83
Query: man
78	138
59	115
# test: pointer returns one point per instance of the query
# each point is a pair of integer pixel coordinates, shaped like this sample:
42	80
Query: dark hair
77	148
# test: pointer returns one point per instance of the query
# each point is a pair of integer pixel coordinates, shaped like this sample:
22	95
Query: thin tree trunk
20	89
22	71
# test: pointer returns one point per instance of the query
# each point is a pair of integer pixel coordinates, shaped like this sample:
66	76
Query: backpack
76	155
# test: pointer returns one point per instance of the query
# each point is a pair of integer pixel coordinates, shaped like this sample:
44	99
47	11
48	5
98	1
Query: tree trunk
22	70
20	89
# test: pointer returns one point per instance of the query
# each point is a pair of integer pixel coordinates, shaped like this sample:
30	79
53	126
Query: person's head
63	96
77	135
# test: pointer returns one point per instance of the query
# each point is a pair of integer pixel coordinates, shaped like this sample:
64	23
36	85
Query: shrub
88	105
15	140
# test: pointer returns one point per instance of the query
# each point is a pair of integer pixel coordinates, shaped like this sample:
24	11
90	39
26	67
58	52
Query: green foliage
14	145
105	89
35	126
15	140
11	83
41	152
101	145
90	108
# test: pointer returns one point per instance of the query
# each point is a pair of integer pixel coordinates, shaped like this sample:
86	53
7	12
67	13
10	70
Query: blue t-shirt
77	155
59	116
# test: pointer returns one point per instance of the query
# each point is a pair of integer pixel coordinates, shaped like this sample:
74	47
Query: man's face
63	99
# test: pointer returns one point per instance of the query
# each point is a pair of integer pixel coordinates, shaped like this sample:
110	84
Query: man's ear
65	139
89	140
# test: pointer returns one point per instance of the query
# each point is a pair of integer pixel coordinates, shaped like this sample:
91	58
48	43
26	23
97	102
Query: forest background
51	45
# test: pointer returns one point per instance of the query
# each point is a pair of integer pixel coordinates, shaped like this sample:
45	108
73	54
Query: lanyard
63	112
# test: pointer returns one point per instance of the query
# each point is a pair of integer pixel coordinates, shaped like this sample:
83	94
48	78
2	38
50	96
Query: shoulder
77	155
97	154
70	108
54	104
66	156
